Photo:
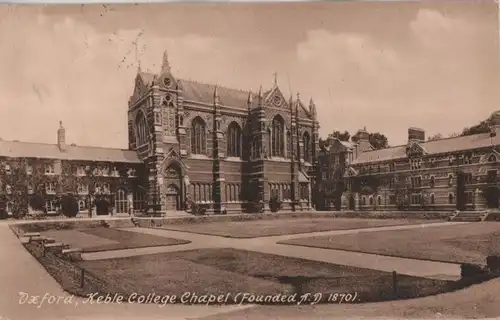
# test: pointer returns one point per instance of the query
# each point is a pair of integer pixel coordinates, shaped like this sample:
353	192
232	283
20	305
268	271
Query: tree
378	140
454	135
69	205
37	201
342	136
482	127
437	136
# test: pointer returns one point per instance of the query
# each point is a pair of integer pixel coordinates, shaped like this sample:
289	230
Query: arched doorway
101	206
174	190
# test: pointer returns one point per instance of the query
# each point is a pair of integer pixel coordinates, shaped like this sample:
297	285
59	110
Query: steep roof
201	92
14	149
456	144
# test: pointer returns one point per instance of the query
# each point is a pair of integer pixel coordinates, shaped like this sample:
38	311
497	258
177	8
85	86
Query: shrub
275	204
37	202
199	209
468	270
493	263
69	206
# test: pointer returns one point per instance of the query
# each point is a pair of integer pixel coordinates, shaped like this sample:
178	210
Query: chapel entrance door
173	197
174	189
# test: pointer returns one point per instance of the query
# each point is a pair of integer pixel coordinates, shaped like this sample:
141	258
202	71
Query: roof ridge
55	145
215	85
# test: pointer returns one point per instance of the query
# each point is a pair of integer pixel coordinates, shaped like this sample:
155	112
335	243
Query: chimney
416	134
61	137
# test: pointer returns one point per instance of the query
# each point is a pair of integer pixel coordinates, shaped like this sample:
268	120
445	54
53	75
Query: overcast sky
386	66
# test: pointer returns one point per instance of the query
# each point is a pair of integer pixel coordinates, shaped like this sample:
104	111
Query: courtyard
277	227
458	243
105	239
275	256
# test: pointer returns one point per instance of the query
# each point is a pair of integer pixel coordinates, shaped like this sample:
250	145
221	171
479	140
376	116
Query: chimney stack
61	137
416	134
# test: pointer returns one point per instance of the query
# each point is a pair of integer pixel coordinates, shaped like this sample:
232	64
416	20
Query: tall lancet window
234	140
278	137
141	129
307	146
289	152
198	136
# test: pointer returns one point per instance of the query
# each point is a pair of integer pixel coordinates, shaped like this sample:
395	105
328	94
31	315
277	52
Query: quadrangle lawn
462	243
104	239
223	271
277	227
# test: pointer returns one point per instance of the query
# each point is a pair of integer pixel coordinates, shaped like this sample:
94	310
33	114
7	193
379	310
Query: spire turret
165	66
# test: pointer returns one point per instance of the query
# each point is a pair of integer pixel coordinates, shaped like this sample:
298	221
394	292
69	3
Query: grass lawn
263	228
222	271
104	239
470	243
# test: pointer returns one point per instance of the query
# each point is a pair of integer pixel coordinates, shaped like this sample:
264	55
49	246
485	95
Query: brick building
447	174
334	156
230	149
50	170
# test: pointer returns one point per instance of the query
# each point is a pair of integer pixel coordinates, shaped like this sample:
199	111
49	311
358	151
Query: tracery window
141	131
278	137
234	140
307	149
198	136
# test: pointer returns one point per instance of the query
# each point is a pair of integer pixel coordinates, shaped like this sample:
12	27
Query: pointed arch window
141	131
234	140
278	137
307	149
198	136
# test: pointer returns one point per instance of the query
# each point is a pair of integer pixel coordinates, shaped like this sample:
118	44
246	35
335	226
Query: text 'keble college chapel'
229	149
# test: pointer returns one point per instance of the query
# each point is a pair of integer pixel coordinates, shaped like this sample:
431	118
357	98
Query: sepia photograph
266	160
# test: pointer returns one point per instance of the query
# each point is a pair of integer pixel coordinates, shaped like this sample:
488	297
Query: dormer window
492	158
7	169
29	169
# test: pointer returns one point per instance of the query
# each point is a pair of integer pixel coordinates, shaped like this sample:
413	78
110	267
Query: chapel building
230	149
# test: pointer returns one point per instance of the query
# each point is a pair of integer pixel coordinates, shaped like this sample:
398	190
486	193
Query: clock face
277	101
167	82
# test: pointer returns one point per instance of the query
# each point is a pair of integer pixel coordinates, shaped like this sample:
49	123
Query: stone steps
470	216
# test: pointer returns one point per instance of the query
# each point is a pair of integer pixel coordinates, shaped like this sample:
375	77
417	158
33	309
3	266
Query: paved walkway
20	272
413	267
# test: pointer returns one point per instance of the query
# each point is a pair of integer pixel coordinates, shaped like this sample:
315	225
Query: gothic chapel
229	149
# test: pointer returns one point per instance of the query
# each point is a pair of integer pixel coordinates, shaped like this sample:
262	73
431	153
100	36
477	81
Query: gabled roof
303	177
202	92
455	144
14	149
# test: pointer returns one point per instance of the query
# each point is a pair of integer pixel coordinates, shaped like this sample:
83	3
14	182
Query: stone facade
231	150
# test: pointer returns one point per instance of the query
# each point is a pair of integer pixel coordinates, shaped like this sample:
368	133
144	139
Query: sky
385	66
